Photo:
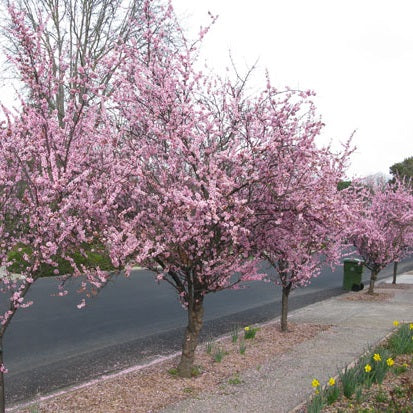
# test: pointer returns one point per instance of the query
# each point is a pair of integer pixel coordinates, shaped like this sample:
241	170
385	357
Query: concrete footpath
285	382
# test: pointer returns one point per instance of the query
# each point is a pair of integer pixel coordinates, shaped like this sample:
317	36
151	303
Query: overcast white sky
357	55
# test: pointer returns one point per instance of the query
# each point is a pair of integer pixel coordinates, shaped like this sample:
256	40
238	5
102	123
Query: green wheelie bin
353	272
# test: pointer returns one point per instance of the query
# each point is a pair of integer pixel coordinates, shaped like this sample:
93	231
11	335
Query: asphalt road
133	320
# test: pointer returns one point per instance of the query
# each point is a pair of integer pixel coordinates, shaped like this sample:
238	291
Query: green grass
94	256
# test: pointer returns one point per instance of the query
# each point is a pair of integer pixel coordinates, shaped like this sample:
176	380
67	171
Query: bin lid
354	260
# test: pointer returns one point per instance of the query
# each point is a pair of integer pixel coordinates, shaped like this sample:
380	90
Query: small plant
381	397
332	391
235	334
188	390
250	332
350	379
400	369
196	371
209	347
398	391
401	398
234	380
316	404
219	355
380	362
358	394
242	347
173	371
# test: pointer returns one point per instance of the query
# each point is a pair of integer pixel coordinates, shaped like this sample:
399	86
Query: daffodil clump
250	332
326	395
377	366
370	369
402	341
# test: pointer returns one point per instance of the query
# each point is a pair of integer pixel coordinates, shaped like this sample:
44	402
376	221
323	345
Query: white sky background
357	55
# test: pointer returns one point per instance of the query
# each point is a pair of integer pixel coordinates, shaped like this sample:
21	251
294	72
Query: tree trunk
195	320
395	271
373	278
284	307
2	397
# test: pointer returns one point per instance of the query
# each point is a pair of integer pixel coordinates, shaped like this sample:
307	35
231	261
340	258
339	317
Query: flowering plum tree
56	147
194	156
383	228
51	199
299	213
183	209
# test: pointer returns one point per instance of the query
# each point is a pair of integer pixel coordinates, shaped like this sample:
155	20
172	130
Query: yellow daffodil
411	326
331	382
315	383
405	365
376	357
246	328
395	323
390	361
367	368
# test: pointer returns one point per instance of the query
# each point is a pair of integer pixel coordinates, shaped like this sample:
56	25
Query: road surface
133	320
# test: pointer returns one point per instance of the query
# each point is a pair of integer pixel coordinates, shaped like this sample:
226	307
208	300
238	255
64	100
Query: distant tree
374	181
403	169
343	185
382	229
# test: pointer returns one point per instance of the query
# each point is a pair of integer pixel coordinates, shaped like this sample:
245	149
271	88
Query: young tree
382	230
401	170
182	209
299	210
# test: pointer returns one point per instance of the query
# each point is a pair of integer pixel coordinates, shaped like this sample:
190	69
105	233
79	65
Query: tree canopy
403	169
